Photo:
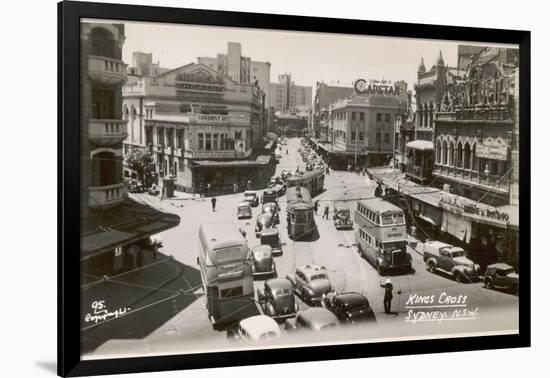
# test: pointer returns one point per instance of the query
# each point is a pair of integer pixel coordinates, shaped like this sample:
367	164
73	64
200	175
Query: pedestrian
235	187
388	295
364	171
249	184
325	214
287	151
316	206
213	200
208	186
378	190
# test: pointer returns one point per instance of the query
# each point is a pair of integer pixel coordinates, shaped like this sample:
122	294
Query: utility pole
356	138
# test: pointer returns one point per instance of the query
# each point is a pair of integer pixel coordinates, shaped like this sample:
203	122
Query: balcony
465	176
106	196
107	132
219	154
106	71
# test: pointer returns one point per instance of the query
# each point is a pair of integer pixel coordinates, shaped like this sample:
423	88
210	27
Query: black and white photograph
245	189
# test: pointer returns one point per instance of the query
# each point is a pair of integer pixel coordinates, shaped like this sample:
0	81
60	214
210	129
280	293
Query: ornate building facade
199	125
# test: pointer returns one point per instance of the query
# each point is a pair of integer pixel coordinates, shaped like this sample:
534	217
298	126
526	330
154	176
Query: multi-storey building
325	95
200	126
363	126
476	129
241	69
111	223
285	96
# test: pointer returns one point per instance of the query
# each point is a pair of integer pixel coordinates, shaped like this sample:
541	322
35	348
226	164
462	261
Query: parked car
349	307
311	282
263	263
244	210
313	319
154	190
502	276
251	197
341	218
449	259
263	221
276	299
271	237
255	328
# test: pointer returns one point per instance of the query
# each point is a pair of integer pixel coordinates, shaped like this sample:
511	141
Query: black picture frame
69	15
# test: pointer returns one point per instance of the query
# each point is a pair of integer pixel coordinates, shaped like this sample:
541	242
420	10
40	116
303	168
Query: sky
336	59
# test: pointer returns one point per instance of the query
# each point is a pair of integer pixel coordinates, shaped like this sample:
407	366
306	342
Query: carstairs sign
362	87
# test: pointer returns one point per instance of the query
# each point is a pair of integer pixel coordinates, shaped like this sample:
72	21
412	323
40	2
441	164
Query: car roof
279	283
318	315
502	266
378	205
437	244
262	247
243	204
259	324
350	299
249	192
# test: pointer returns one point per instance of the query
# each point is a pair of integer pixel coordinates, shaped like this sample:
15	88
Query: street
189	329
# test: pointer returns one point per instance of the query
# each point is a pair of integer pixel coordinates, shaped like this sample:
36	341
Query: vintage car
244	210
313	319
452	260
276	299
255	328
349	307
154	190
271	237
273	209
341	218
269	196
263	263
263	221
311	282
251	197
502	276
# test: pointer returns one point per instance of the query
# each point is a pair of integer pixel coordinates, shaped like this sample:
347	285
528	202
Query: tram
299	213
313	181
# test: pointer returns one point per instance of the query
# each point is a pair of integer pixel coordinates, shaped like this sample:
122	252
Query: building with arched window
112	225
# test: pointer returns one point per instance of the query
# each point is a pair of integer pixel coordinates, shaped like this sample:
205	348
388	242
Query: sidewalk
122	291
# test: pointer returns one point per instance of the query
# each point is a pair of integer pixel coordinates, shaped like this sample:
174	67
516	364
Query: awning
457	226
422	145
260	160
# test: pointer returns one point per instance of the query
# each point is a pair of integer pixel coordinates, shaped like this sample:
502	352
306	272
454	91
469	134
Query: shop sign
492	149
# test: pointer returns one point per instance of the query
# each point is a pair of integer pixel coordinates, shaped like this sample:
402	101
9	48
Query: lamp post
356	138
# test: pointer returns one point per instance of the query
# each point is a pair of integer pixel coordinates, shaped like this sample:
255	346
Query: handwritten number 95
98	305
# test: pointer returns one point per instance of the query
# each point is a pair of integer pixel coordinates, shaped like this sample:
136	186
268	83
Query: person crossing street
213	200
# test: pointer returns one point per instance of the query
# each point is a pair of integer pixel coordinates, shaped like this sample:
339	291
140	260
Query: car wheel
457	276
431	267
489	284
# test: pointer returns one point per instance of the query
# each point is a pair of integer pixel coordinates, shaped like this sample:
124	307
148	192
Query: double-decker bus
381	234
226	272
299	213
311	180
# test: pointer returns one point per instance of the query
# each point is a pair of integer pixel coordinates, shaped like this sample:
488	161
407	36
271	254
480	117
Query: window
386	137
361	116
103	104
387	117
208	144
201	141
353	114
378	117
353	135
361	135
238	134
215	145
